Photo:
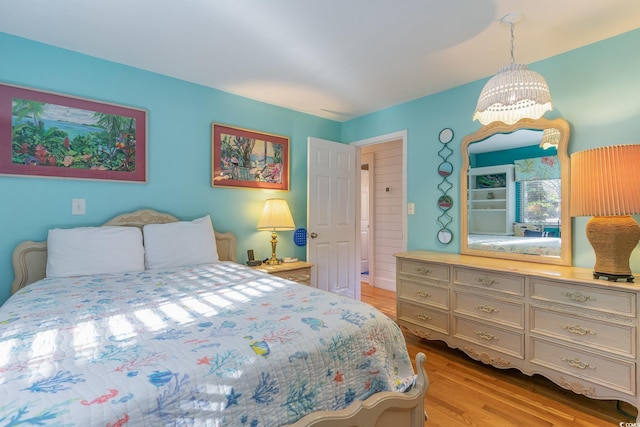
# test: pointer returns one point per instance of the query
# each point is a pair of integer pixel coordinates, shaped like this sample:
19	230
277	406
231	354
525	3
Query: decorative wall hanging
51	135
248	159
445	202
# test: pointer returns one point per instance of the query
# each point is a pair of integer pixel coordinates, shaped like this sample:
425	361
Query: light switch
78	206
411	209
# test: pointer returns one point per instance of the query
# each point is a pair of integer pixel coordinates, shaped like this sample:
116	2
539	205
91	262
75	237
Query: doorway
366	206
382	202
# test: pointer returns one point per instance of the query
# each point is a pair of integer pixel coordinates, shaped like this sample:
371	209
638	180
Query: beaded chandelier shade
514	93
550	138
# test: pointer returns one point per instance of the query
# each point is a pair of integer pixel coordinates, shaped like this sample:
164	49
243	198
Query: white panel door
331	222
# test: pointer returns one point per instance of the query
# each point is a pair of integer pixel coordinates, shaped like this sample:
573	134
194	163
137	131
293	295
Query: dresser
555	321
298	271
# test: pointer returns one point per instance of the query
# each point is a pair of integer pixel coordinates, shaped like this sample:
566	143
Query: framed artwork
248	159
46	134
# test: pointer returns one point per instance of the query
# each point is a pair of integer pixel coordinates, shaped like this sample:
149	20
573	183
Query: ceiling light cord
513	41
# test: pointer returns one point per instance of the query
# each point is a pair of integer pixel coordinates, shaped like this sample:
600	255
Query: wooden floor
465	392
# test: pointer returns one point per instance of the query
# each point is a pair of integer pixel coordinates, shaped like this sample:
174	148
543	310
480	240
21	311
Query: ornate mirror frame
487	131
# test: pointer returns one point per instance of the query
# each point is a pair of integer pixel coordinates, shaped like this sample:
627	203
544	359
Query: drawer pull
486	281
423	317
578	330
487	308
423	294
577	363
423	270
486	336
577	296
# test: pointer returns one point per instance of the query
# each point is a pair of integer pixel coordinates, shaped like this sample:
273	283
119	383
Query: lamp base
613	277
613	238
274	242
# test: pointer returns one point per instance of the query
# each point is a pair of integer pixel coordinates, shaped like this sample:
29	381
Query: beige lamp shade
605	181
605	184
276	216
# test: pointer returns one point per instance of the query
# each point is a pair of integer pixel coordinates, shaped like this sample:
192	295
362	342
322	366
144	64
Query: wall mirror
516	181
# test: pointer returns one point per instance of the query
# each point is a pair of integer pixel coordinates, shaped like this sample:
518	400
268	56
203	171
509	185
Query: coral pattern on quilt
213	345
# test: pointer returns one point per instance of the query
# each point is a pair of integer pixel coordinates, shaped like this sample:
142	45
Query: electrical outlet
78	206
411	209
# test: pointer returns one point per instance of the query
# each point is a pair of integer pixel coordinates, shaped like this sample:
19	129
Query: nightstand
298	271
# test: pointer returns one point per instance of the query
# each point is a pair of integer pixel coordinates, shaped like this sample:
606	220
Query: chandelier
515	92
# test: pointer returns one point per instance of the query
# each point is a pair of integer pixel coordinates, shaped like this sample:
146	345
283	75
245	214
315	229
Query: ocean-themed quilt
213	345
546	246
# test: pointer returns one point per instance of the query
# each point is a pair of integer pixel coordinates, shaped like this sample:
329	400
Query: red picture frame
46	134
245	158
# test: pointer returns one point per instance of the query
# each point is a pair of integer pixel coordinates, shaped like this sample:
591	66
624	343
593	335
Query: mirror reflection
514	178
445	202
445	169
445	236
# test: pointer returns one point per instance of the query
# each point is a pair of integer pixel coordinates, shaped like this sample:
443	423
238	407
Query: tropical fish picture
55	135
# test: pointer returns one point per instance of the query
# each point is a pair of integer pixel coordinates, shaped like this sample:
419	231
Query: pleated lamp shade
605	184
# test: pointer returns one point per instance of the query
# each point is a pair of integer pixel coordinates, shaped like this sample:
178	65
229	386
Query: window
539	202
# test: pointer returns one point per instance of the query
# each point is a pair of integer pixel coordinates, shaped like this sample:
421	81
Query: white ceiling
337	59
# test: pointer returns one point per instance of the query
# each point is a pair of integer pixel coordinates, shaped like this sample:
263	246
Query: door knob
313	235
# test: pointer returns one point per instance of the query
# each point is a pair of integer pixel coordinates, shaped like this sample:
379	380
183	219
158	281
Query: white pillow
179	244
85	251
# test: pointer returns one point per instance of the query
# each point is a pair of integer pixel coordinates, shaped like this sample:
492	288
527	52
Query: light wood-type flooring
465	392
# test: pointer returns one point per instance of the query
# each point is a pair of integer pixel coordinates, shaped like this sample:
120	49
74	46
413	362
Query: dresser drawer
435	296
425	270
490	280
504	340
302	275
595	298
431	319
610	372
507	313
606	336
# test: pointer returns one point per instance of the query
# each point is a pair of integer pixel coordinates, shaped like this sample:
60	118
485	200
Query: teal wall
179	152
595	88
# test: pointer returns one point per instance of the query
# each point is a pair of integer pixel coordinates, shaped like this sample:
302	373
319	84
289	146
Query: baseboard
386	284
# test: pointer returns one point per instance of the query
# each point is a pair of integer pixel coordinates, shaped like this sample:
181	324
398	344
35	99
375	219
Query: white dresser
556	321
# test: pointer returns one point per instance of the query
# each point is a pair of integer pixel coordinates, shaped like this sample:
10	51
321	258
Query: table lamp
275	217
605	184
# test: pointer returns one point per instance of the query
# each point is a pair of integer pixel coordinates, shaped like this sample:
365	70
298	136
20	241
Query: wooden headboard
30	258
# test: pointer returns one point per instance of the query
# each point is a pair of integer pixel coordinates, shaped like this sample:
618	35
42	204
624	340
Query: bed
214	344
546	246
